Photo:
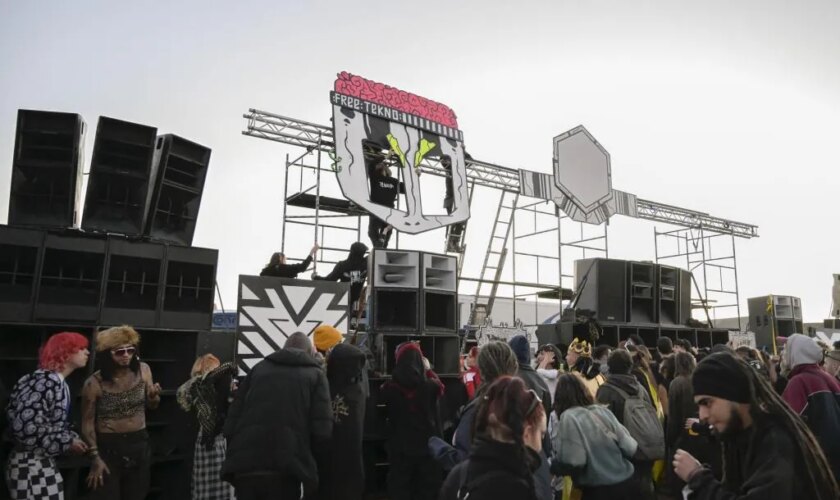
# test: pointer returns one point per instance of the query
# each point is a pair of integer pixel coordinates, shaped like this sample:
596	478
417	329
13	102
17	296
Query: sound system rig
633	298
131	262
413	296
774	316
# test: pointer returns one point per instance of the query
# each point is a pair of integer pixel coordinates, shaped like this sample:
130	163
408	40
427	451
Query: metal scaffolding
572	242
713	256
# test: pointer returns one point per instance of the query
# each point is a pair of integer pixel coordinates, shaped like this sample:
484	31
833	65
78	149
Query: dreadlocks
767	404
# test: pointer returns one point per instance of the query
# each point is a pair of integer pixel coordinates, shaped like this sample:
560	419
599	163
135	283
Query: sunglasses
534	403
122	351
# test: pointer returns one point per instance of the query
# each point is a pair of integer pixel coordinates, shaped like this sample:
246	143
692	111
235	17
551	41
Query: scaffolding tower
536	219
712	256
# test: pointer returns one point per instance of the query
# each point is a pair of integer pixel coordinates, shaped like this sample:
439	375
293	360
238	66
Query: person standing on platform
768	450
411	400
279	425
278	268
351	270
343	477
383	190
207	396
114	402
813	394
38	417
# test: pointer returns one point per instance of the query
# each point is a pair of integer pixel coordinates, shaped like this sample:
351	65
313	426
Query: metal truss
312	136
660	212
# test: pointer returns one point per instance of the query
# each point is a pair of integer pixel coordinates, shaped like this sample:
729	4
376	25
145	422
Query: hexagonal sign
582	169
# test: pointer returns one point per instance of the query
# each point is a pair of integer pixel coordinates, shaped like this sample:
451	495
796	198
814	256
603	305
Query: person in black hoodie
343	478
411	402
278	268
383	190
279	425
509	427
351	270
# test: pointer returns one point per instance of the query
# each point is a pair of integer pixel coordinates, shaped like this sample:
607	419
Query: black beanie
719	375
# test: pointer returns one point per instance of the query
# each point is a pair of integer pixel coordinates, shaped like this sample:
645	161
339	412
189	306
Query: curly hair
58	349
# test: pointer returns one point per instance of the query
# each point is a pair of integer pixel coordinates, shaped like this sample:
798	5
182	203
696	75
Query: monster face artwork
373	121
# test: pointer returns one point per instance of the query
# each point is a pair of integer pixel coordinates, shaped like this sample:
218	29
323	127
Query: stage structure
271	309
413	134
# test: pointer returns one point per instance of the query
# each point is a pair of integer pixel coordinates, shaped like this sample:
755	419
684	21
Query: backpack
643	424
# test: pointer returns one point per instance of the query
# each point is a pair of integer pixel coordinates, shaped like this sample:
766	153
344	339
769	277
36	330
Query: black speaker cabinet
601	287
668	295
71	279
119	184
394	310
189	286
133	279
180	167
642	298
439	312
685	291
46	169
21	251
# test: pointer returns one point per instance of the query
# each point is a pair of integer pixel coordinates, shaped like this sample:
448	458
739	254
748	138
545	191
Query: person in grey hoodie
590	445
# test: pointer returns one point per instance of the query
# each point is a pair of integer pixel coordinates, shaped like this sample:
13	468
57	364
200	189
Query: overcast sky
731	108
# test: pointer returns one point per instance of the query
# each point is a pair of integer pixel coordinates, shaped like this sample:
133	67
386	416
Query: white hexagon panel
582	169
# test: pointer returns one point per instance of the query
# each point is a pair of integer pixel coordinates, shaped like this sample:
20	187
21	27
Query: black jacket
411	402
344	474
351	270
761	463
494	470
281	418
286	270
536	383
608	395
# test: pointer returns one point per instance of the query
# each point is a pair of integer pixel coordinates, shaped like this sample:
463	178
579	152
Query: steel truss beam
312	136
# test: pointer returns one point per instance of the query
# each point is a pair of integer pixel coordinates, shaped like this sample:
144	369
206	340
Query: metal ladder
491	272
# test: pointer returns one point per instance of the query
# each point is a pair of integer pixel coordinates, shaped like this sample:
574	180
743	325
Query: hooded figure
411	399
351	270
344	476
813	394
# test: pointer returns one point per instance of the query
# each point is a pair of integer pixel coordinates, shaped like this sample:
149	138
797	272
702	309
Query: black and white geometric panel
542	186
271	309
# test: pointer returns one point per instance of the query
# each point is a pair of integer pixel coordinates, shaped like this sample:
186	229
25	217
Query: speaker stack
414	298
774	316
46	169
120	180
633	292
132	261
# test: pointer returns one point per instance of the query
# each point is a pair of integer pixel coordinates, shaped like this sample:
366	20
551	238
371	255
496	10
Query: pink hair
58	349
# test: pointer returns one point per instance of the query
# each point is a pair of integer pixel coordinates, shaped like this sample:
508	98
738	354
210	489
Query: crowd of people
595	422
